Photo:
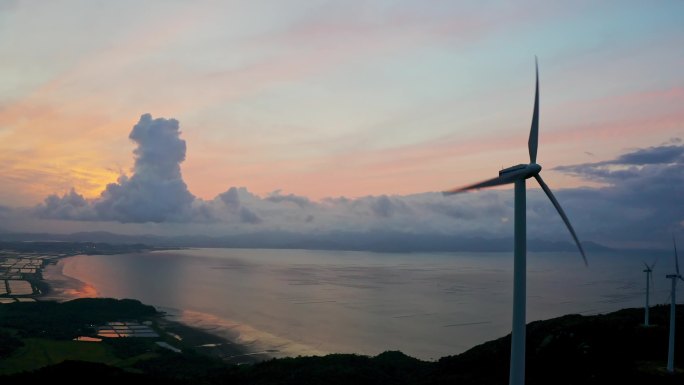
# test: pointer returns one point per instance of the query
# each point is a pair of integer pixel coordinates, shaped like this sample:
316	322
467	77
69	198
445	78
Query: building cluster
20	272
127	329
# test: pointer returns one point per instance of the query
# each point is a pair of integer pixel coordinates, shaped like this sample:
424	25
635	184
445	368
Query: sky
239	116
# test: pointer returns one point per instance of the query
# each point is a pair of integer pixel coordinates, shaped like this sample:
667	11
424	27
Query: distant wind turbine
673	308
517	175
649	272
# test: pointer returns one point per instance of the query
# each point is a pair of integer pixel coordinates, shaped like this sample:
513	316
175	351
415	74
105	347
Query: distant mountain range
353	241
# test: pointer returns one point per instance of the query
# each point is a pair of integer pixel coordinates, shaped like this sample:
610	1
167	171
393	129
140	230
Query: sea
304	302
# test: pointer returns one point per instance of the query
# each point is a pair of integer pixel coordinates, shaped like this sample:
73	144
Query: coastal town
21	268
21	273
22	265
128	324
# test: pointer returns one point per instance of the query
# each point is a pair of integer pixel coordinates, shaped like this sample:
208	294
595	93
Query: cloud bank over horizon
638	202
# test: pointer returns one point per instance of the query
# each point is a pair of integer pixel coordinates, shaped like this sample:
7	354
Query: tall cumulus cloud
155	192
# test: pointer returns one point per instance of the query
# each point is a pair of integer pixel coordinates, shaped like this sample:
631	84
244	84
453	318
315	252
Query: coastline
62	287
204	333
260	344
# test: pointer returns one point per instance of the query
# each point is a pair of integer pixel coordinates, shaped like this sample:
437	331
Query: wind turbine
649	272
673	307
517	175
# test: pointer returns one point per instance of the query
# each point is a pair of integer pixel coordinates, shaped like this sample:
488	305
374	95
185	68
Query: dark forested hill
602	349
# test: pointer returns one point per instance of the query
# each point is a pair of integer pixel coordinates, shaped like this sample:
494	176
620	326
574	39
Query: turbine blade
487	183
647	268
654	264
534	130
548	192
676	256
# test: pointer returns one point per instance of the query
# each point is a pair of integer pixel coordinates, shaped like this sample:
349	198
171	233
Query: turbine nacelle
676	258
521	171
649	269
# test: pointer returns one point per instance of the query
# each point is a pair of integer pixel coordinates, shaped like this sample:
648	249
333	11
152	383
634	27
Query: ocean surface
428	305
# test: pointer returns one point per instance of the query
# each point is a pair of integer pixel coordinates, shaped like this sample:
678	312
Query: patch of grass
130	363
130	347
9	342
70	319
37	353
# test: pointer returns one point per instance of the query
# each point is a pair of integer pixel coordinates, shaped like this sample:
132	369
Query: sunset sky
331	98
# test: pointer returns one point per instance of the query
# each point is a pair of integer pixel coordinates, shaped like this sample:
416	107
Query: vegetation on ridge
612	348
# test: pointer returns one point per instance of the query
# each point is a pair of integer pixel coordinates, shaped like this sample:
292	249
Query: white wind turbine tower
673	308
517	175
649	273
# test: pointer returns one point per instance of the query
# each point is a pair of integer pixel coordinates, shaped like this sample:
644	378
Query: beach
62	287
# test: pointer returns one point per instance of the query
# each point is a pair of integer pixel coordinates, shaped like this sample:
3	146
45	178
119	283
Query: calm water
427	305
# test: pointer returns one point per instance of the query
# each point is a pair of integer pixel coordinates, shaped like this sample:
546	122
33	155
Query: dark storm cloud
235	206
298	200
71	206
489	203
230	197
382	206
642	199
248	216
636	164
653	155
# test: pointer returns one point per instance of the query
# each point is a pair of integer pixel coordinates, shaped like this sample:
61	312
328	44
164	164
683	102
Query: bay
303	302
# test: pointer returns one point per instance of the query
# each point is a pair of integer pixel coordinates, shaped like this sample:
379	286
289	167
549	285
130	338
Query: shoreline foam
257	341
